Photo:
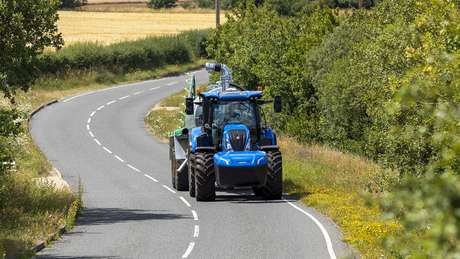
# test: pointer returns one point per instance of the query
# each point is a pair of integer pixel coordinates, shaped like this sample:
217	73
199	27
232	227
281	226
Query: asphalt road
100	140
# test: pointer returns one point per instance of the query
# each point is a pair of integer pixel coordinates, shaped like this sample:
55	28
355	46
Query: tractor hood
236	137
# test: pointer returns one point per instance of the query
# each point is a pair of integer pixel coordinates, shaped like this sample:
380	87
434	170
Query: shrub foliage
126	56
380	83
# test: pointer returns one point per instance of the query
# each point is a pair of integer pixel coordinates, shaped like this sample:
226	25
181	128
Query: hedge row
126	56
382	83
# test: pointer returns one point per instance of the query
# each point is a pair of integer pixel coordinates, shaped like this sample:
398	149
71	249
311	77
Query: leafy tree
27	27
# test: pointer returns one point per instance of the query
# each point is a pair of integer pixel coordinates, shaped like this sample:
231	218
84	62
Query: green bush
72	3
157	4
383	83
205	3
126	56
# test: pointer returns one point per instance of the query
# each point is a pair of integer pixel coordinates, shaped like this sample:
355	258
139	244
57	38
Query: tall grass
31	214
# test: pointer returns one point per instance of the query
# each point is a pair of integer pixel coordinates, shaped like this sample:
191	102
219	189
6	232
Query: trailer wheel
181	178
173	171
273	189
191	175
205	177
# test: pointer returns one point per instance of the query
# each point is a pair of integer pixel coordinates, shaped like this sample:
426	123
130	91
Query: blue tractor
225	142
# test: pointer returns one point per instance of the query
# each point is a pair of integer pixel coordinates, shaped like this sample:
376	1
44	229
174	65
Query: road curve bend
131	211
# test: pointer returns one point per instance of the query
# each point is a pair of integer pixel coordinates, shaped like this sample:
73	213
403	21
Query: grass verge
339	185
29	211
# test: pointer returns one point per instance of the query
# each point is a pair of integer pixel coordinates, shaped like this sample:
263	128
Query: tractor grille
237	139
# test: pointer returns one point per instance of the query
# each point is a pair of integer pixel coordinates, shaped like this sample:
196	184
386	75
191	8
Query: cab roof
232	94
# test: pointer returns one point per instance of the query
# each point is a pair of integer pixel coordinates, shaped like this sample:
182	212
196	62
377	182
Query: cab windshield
242	112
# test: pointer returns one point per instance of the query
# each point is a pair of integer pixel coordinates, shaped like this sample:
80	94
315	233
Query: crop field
113	27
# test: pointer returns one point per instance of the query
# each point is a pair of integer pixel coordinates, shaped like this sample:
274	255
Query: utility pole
217	13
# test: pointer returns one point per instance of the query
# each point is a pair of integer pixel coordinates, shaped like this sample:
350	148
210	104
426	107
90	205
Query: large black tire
205	177
273	189
182	178
257	191
191	175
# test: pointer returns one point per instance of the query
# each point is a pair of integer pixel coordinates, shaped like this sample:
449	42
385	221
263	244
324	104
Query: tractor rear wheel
273	189
205	177
191	175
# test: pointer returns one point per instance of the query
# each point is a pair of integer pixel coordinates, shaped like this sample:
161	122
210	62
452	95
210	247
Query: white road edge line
326	236
169	189
134	168
119	159
139	92
154	88
100	107
196	233
108	150
89	120
92	114
151	178
189	250
124	97
87	127
111	102
195	216
97	142
91	134
185	201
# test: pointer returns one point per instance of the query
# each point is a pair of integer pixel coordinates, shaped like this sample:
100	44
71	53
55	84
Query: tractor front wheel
273	189
205	178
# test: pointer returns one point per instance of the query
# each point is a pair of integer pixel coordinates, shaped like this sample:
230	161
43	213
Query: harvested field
121	26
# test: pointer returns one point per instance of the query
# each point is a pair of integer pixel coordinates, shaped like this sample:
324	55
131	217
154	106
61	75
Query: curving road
100	139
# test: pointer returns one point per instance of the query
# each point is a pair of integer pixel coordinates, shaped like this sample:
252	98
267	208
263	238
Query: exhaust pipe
225	73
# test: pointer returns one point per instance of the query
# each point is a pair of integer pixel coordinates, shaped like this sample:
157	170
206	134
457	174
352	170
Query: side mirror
277	104
189	105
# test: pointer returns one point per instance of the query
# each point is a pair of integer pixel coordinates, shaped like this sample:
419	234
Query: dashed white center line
196	233
134	168
151	178
108	150
169	189
172	83
195	216
119	159
185	201
189	250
